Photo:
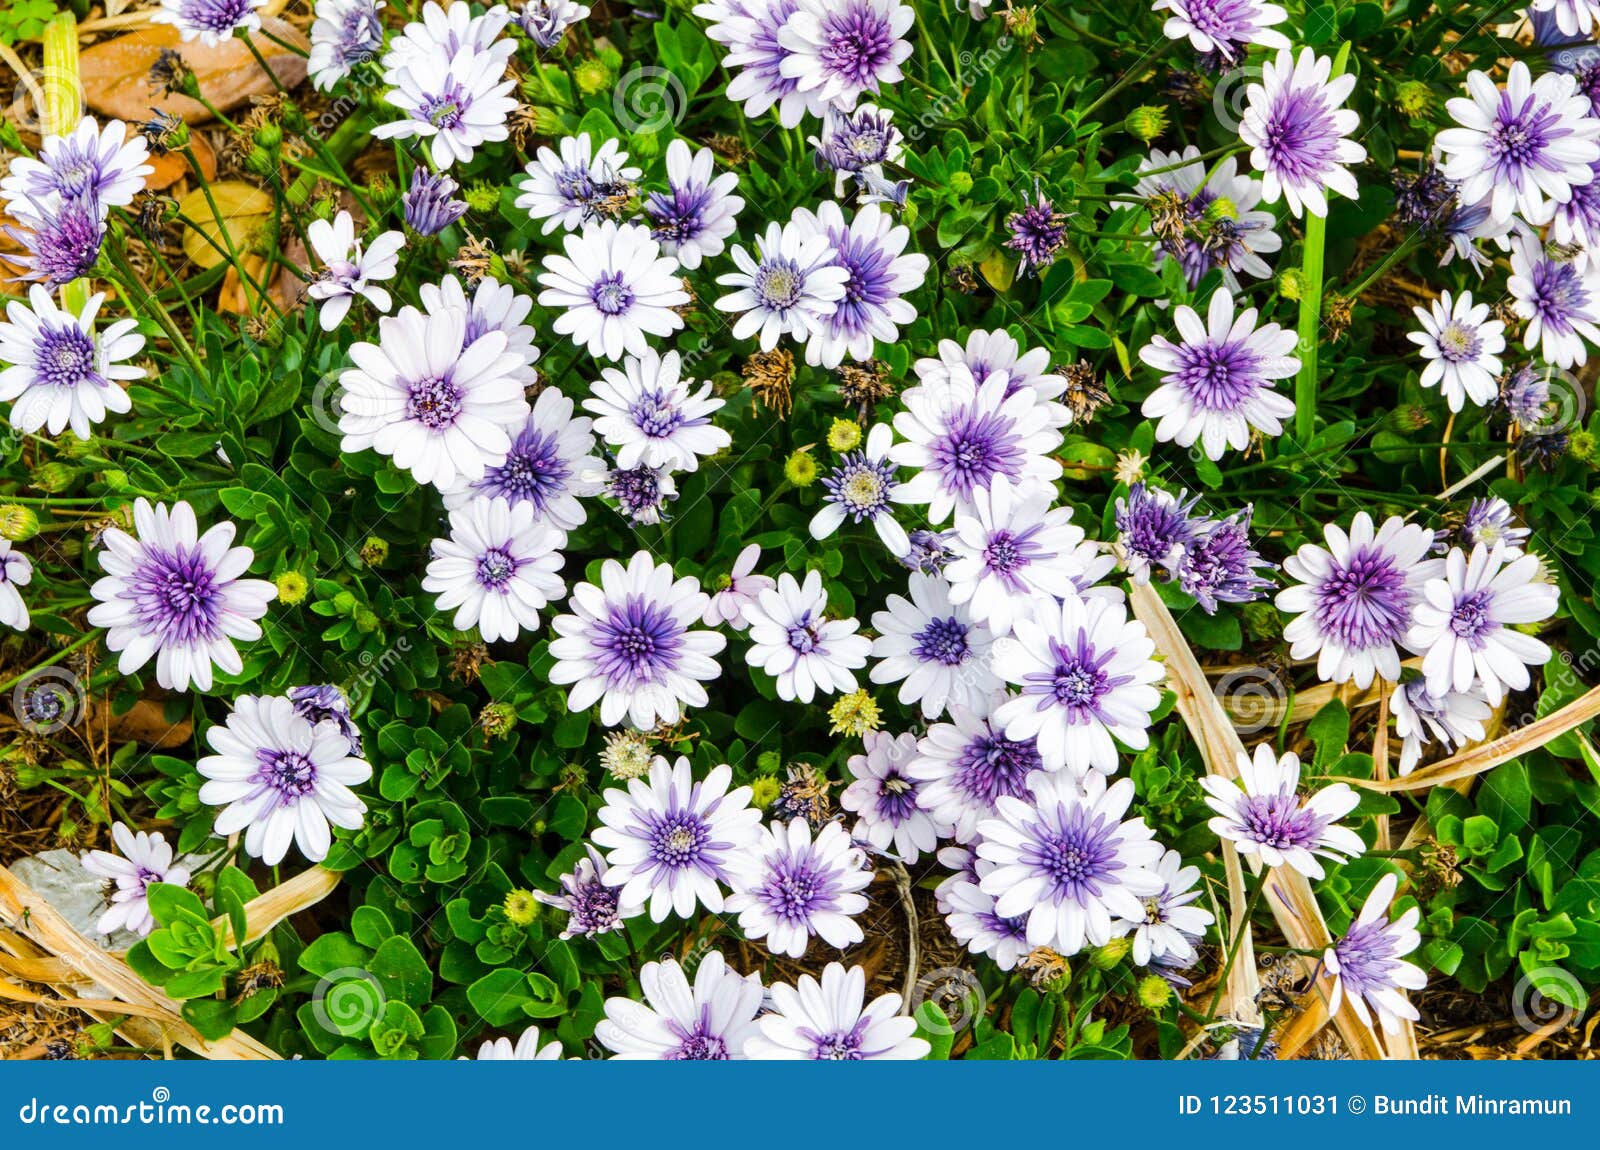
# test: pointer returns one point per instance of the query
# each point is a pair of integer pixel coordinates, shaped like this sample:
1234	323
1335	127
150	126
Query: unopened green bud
764	791
498	720
592	76
374	551
366	620
54	476
1291	283
960	182
1146	123
1154	992
18	523
269	136
1107	956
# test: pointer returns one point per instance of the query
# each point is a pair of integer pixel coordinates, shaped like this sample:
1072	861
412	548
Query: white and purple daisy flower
1519	147
176	595
61	373
673	842
1465	627
100	168
871	249
549	466
1368	966
987	353
526	1049
789	287
143	858
499	567
790	887
863	488
493	306
281	778
1086	676
1560	301
430	204
1299	132
58	246
1155	528
963	766
317	702
841	50
1462	346
737	591
344	34
641	493
1224	27
855	146
961	434
616	289
434	402
1229	231
1262	815
653	416
628	645
1487	521
969	913
348	269
1576	18
751	31
458	100
710	1020
567	189
1219	564
935	649
697	213
793	640
445	30
1069	861
1354	598
16	570
1170	926
831	1021
1217	384
1454	718
212	22
592	906
547	21
885	798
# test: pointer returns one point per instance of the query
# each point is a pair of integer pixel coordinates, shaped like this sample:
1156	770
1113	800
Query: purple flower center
805	635
991	765
446	109
1459	343
839	1045
678	840
1077	682
797	889
700	1043
610	295
65	357
861	485
656	414
1278	820
496	566
637	643
1075	851
215	15
434	402
66	247
1520	138
977	445
1299	136
533	472
1364	603
592	907
1470	619
678	214
290	773
856	43
176	595
1008	552
1559	296
869	287
1218	376
1367	958
942	641
1225	21
897	798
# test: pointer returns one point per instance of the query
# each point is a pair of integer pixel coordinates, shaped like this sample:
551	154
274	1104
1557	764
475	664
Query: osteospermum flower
737	591
641	493
697	213
1298	132
457	100
1170	926
97	167
863	488
962	767
1487	521
1560	301
493	306
1086	676
497	569
592	906
831	1021
1465	626
347	269
871	248
969	913
885	798
446	29
1355	597
325	701
709	1020
1462	346
547	21
1262	815
1154	529
61	373
840	50
629	647
1454	718
616	288
16	570
1069	861
962	434
1223	227
790	887
526	1049
1521	146
434	402
549	465
789	287
212	22
793	640
59	245
653	416
281	778
345	33
935	649
1226	27
672	842
1525	397
855	146
143	858
1038	232
176	595
750	29
1217	384
567	189
429	204
1219	565
1367	964
989	352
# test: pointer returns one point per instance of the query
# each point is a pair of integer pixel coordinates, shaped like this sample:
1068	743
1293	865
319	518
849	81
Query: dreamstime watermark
37	89
649	99
1231	96
348	1001
375	666
1542	999
1253	696
157	1110
48	700
971	66
957	993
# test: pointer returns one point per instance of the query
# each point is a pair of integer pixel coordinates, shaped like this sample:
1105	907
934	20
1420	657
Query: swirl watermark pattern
957	992
648	99
48	700
1542	1000
1231	96
348	1001
327	401
1254	698
36	89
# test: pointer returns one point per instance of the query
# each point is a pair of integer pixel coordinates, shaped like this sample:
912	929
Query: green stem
52	660
1237	945
1305	383
135	287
